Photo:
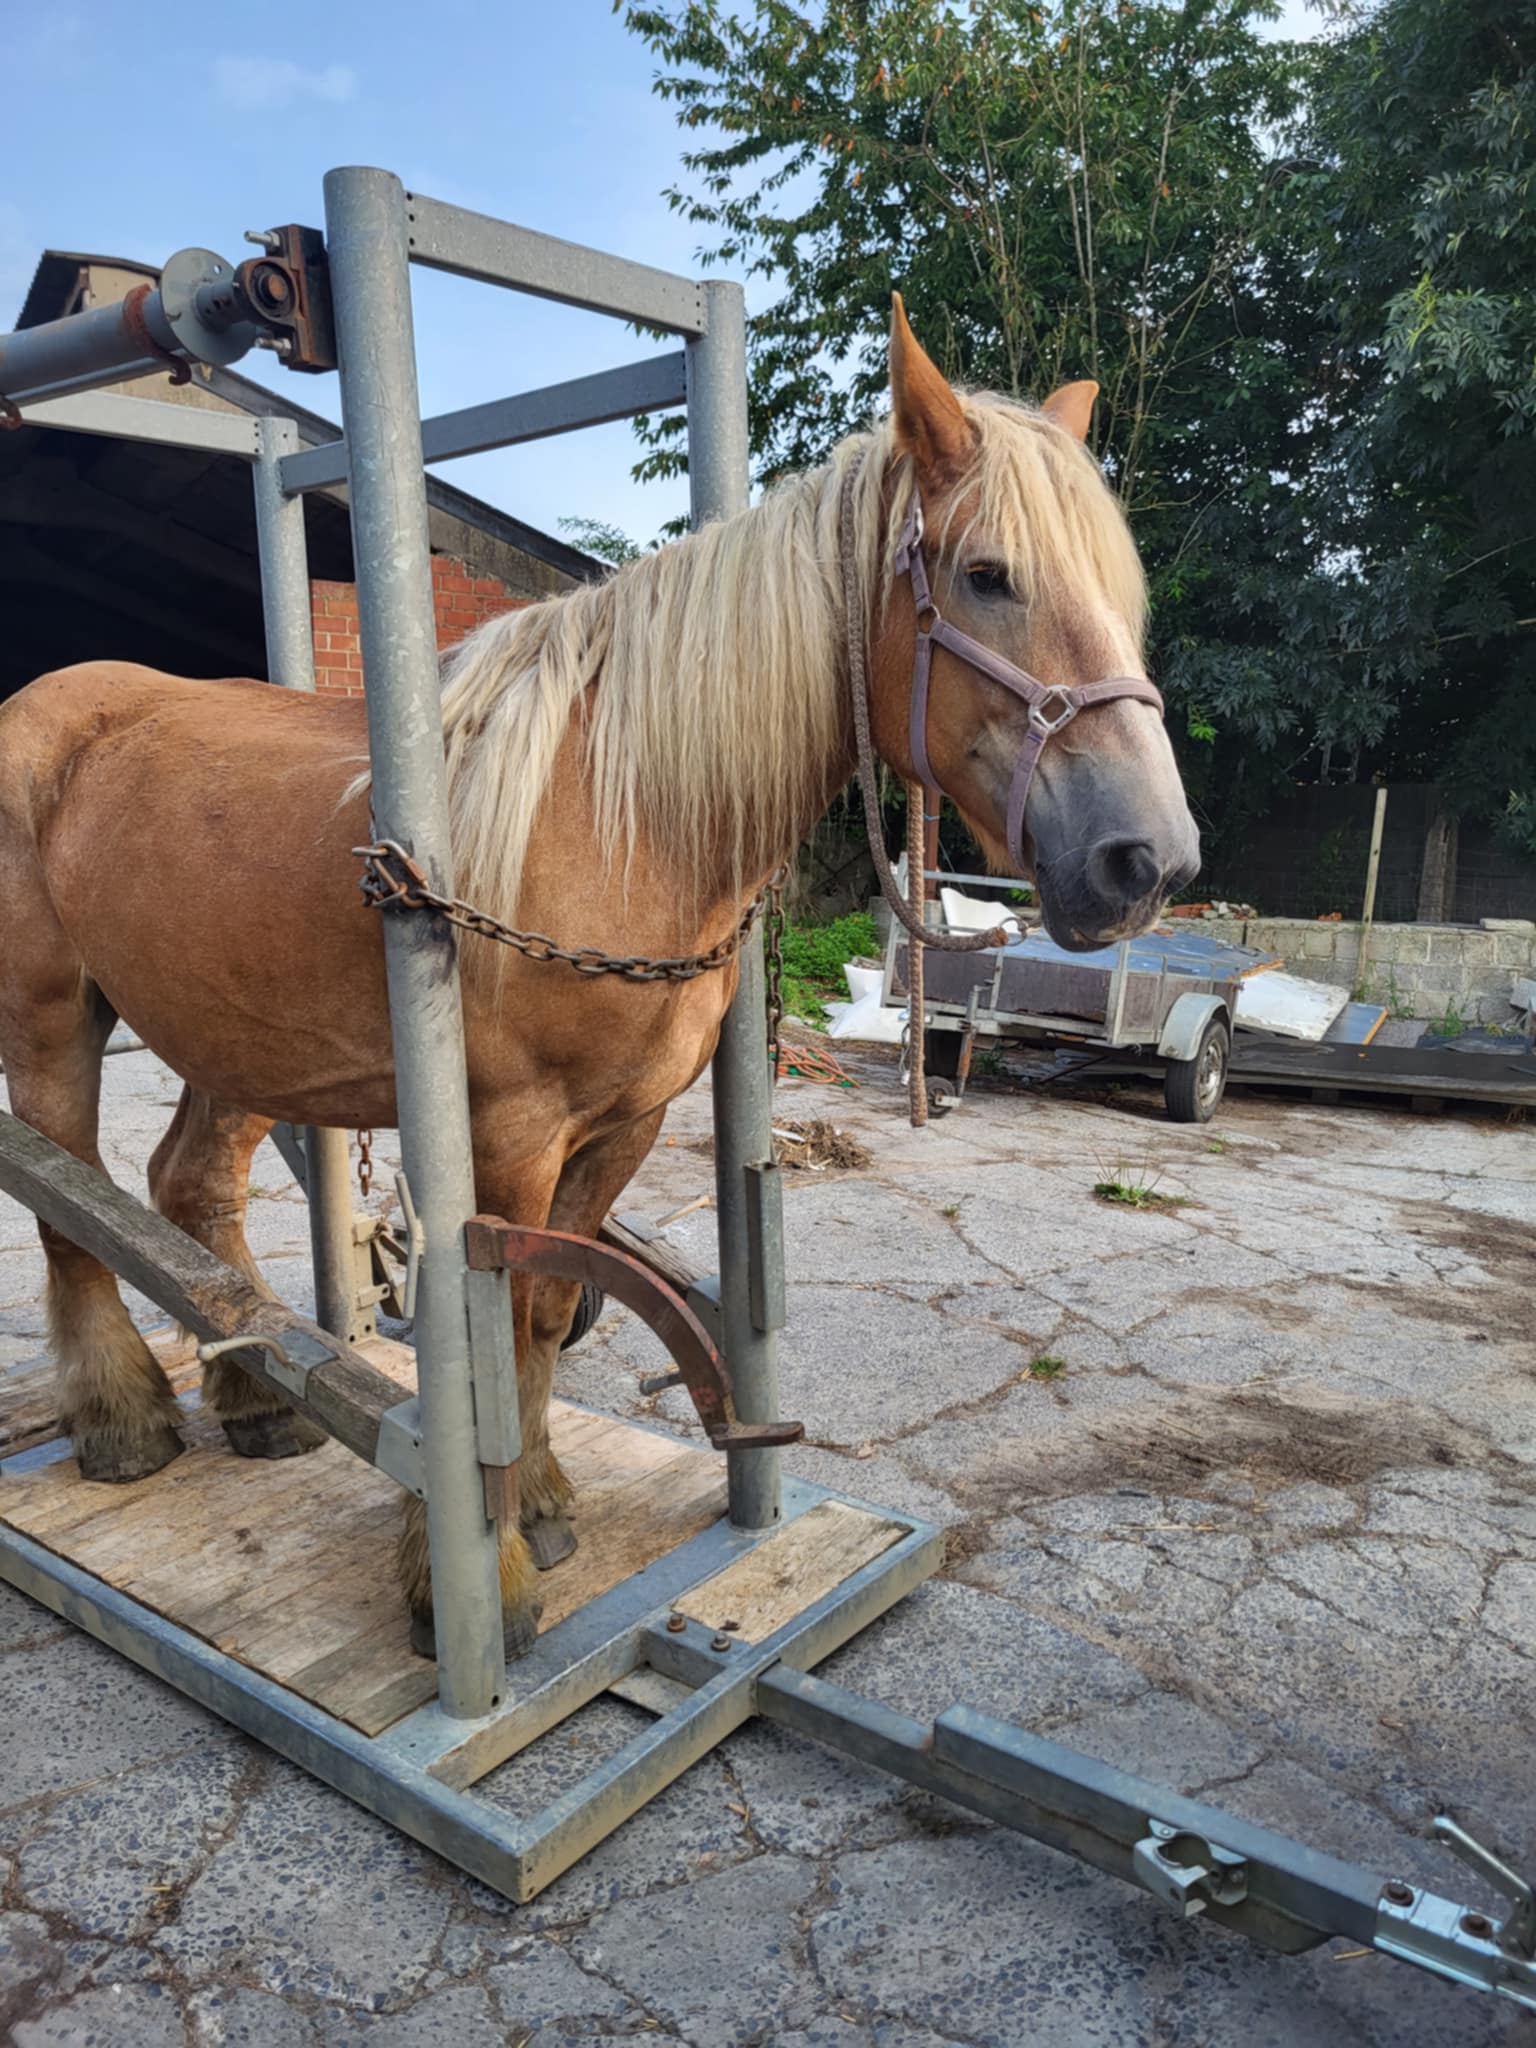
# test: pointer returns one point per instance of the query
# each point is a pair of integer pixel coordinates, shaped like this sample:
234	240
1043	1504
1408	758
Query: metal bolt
1397	1893
720	1642
1478	1924
676	1624
264	238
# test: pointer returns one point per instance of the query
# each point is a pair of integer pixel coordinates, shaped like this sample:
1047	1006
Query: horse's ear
1072	407
931	425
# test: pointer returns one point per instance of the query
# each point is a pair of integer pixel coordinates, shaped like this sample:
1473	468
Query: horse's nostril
1124	870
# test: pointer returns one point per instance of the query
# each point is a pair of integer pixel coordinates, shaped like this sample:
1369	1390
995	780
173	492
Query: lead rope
917	1020
910	913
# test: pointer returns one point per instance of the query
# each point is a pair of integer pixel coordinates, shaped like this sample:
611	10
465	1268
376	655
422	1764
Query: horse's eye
988	579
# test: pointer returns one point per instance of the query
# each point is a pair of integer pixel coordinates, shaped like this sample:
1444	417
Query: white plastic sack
865	1018
968	914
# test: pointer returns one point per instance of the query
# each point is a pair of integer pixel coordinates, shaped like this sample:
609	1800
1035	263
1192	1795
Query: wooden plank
807	1558
663	1260
289	1566
345	1394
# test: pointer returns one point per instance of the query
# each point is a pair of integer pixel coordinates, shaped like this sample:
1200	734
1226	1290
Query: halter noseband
1051	705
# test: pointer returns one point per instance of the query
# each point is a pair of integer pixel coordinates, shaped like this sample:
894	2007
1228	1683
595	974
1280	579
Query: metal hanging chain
393	880
365	1163
773	982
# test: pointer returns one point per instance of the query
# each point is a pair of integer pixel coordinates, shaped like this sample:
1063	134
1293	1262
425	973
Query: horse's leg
115	1400
590	1183
521	1193
199	1179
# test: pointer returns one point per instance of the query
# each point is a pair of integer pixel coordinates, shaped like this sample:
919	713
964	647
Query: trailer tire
590	1306
1192	1089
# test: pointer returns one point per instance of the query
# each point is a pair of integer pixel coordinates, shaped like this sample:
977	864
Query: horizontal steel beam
593	401
98	345
149	419
1195	1858
474	245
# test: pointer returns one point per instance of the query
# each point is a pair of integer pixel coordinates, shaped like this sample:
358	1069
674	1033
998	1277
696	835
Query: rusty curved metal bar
494	1245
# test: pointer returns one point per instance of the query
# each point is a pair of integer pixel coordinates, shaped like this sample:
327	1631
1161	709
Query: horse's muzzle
1112	889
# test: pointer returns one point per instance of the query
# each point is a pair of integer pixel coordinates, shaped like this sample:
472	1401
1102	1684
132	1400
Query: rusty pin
1478	1924
676	1624
1397	1893
720	1642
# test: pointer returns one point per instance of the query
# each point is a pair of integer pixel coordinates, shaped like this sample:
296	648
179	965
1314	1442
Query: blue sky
135	132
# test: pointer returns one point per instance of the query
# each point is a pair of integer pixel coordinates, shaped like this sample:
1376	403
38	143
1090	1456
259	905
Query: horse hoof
551	1539
282	1433
519	1632
114	1459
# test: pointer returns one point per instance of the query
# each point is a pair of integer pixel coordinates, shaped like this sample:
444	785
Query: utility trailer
1170	1006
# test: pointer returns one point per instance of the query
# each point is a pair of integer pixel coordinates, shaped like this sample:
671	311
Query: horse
628	763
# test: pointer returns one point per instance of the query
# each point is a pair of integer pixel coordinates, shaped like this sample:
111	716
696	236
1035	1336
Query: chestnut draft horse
627	764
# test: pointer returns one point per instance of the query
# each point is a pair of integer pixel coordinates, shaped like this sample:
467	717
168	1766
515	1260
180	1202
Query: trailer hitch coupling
1457	1942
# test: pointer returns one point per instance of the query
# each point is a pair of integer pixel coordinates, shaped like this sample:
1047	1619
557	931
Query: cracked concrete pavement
1267	1534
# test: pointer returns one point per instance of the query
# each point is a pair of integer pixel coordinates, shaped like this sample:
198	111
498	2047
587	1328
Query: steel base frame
419	1774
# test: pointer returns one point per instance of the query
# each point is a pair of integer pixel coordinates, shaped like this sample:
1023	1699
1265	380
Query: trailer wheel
588	1309
1192	1089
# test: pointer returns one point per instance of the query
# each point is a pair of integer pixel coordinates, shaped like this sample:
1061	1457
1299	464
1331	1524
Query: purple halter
1051	705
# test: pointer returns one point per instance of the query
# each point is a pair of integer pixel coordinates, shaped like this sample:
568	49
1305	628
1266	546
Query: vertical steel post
366	235
285	611
746	1180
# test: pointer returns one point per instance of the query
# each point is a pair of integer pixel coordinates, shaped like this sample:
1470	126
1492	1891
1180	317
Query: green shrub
814	958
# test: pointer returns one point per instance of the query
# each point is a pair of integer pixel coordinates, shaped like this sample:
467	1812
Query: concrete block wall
1417	970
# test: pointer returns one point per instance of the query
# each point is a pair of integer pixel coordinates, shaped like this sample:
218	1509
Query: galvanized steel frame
420	1774
410	1777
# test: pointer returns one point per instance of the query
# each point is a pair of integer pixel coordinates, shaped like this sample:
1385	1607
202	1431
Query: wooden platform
289	1567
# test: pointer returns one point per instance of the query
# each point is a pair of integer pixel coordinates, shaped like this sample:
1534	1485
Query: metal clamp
1517	1932
415	1244
292	1374
1187	1872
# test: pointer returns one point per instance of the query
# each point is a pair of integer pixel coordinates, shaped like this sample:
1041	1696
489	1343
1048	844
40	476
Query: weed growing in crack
1046	1367
950	1210
1135	1188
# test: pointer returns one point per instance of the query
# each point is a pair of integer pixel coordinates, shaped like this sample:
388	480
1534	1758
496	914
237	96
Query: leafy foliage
814	958
1304	277
608	542
1421	205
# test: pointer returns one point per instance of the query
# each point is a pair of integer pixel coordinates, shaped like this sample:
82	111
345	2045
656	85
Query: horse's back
103	734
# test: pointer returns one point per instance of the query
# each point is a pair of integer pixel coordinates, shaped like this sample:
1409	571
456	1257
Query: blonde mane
721	708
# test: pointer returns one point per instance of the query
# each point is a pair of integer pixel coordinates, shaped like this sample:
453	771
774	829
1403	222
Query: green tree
1076	188
1420	201
600	537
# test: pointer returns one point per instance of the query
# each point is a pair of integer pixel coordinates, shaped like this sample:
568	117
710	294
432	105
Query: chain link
393	880
773	985
365	1163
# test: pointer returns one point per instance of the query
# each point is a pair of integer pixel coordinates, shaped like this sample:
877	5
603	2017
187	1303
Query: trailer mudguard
1184	1025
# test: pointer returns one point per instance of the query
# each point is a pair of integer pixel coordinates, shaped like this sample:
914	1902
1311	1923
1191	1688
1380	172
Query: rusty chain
773	966
393	880
365	1163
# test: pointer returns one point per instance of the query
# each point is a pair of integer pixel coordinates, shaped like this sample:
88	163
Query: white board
1288	1006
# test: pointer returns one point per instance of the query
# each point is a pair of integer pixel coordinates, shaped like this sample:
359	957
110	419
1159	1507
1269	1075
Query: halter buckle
1045	723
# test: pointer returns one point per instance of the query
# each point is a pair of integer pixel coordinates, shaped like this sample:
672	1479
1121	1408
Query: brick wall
460	601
